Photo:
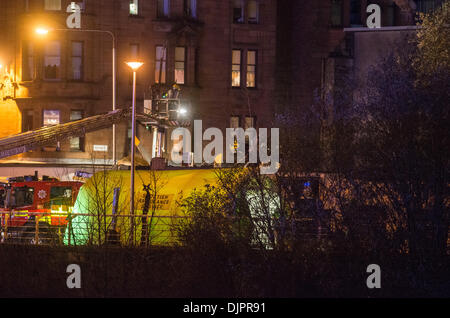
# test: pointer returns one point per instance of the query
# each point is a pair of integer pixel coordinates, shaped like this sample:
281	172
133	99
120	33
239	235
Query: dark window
77	61
27	61
27	120
389	15
355	12
427	6
238	11
23	196
336	13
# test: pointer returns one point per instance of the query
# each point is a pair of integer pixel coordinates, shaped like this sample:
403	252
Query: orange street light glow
134	65
41	31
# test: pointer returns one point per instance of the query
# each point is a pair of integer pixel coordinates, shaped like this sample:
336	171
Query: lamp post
134	66
45	31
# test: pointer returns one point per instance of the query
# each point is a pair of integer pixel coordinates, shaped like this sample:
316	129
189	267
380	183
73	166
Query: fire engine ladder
44	136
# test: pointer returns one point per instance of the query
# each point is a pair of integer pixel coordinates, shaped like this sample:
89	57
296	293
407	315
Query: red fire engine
35	211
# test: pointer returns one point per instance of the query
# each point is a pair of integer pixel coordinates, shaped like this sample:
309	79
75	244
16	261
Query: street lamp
44	31
134	66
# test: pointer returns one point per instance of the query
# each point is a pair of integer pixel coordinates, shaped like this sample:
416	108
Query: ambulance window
60	196
23	196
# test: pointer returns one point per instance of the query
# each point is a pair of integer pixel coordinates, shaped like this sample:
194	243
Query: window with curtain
52	60
236	69
190	8
251	68
253	11
52	5
249	122
160	64
234	122
180	57
163	8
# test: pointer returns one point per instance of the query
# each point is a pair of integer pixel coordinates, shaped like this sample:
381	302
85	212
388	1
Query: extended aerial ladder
45	136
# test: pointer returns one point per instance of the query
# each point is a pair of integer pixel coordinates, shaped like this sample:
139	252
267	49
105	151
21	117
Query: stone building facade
237	62
221	54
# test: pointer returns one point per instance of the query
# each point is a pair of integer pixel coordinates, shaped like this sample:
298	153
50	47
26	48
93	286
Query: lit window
163	8
249	122
51	117
234	122
134	7
76	143
160	65
190	8
53	5
236	69
76	115
251	68
180	56
52	60
336	13
27	61
238	11
253	11
77	61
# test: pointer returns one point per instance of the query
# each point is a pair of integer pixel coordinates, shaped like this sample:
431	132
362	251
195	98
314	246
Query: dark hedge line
35	271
